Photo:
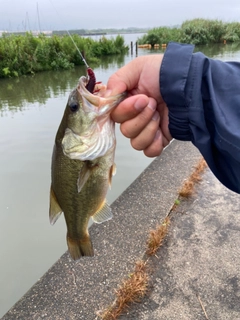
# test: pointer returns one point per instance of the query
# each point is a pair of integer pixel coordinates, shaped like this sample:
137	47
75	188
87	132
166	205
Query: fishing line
83	59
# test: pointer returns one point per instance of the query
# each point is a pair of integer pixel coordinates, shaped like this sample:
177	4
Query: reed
202	31
196	31
28	54
161	35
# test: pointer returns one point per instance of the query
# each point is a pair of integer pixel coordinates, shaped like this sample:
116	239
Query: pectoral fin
112	173
84	174
55	209
104	214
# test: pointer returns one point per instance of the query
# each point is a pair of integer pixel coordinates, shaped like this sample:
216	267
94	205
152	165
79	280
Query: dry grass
135	287
131	290
204	310
188	187
157	236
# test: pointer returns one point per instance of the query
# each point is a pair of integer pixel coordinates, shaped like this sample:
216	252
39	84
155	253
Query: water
30	111
128	37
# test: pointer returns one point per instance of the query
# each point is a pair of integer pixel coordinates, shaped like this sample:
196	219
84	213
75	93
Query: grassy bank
197	31
27	54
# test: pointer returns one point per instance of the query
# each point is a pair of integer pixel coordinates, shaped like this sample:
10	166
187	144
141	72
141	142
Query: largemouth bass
83	163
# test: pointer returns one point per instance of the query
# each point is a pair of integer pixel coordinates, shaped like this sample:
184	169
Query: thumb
124	79
117	83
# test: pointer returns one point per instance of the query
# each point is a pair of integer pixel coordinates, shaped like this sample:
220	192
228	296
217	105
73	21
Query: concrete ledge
71	290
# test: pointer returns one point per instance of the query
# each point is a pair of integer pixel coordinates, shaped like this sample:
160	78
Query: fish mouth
86	86
96	93
99	99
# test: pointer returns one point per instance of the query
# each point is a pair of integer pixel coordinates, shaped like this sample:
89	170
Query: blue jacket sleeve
203	97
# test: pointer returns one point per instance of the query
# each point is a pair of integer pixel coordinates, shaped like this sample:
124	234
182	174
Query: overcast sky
20	15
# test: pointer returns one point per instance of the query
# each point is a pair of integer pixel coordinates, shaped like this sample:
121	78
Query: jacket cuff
174	73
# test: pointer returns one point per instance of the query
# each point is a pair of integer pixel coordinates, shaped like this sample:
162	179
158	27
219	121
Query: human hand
143	115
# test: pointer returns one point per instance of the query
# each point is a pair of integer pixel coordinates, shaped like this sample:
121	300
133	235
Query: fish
83	162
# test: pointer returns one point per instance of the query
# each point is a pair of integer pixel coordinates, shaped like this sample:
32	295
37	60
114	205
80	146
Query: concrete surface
199	261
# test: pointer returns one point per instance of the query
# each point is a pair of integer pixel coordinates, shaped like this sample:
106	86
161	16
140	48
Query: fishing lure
92	80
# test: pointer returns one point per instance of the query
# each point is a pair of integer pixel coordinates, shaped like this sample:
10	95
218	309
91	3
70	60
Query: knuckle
144	116
153	151
126	130
140	143
137	145
152	129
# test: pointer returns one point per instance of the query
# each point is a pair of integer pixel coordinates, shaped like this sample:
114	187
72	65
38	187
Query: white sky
20	15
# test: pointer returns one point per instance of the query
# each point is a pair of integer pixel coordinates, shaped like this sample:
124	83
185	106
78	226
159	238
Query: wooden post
131	48
136	49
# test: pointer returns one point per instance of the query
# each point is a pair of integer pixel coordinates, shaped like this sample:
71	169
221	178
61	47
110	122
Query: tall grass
232	32
202	31
196	31
20	55
160	35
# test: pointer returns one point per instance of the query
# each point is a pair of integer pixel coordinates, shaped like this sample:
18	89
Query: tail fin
80	247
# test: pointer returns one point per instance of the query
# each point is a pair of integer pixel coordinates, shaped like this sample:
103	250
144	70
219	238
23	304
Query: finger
129	108
124	79
164	123
133	127
156	147
147	135
165	141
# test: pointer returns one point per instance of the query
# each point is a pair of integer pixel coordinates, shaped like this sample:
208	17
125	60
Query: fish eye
74	106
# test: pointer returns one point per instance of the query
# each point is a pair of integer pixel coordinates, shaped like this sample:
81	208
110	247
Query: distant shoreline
80	32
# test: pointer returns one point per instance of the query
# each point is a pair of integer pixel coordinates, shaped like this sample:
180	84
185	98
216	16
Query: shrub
202	31
232	32
24	54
